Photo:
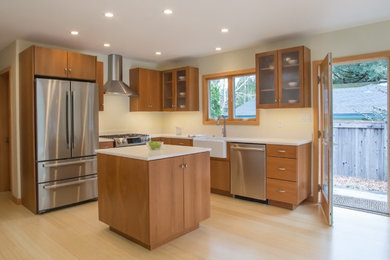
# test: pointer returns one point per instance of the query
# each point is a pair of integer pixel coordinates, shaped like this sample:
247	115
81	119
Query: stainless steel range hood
115	85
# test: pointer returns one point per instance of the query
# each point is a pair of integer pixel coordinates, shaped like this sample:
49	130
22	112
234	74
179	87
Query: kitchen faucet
224	124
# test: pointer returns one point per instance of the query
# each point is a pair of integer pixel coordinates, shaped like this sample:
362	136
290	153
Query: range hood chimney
115	85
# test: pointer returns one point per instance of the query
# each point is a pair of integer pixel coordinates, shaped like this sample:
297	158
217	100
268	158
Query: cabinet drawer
105	145
282	168
286	151
283	191
179	141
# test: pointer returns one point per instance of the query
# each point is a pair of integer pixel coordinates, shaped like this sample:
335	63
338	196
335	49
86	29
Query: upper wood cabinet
100	83
181	89
283	78
148	85
64	64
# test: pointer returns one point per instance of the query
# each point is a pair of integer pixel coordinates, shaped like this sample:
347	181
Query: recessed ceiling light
74	33
224	30
158	53
108	14
168	11
107	45
218	48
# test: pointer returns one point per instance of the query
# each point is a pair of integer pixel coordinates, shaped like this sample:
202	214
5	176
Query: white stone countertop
101	139
265	140
142	152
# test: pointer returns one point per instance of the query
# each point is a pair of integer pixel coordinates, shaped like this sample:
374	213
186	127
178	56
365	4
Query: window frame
205	98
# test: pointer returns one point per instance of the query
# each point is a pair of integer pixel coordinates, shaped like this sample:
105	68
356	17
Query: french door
326	139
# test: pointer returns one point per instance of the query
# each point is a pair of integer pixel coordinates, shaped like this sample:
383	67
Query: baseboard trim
16	200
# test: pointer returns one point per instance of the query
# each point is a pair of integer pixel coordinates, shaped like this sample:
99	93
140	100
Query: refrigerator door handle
54	186
51	165
72	117
67	119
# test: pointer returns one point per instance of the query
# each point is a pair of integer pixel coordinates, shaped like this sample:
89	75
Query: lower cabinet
106	144
288	174
153	202
220	176
174	140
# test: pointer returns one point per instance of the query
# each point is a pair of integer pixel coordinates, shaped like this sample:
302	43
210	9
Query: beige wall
295	123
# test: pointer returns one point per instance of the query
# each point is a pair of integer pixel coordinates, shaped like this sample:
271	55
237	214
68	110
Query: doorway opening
360	135
5	123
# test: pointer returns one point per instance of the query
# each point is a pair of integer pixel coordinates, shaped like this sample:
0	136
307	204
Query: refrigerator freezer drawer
65	169
61	193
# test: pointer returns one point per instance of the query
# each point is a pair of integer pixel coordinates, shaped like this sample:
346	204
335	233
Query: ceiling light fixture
108	14
224	30
107	45
168	11
218	49
158	53
74	33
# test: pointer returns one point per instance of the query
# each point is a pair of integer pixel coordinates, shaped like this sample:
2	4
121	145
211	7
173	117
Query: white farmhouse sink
217	145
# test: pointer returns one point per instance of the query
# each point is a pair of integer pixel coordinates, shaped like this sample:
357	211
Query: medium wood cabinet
100	82
288	174
148	85
106	144
180	89
283	78
64	64
174	140
164	198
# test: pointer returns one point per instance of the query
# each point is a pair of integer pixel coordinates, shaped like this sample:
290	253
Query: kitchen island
152	197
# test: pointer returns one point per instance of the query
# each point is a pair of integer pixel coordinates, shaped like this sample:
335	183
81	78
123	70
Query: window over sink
232	95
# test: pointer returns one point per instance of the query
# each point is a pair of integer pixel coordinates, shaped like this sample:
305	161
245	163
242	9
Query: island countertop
142	152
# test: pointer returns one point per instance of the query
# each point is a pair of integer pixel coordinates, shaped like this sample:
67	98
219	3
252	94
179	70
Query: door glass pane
218	98
168	89
290	77
244	91
266	79
181	79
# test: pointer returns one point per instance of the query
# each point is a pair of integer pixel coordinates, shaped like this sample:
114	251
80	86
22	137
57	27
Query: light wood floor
236	230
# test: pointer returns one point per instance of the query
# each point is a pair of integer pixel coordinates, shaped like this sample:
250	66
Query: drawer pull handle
281	151
281	169
281	191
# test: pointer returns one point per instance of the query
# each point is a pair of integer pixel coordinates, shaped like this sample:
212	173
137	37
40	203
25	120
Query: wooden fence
360	149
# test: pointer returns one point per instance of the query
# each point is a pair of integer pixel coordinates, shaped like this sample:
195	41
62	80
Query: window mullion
230	98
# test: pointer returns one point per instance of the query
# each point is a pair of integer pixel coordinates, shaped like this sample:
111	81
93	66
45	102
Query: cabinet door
169	100
182	93
166	199
153	90
196	189
266	80
291	77
51	62
99	81
81	66
220	175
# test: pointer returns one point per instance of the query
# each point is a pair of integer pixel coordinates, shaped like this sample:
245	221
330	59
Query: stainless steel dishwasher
247	170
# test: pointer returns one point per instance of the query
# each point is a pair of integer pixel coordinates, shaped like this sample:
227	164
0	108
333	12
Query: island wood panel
196	189
166	199
27	128
100	83
81	66
50	62
123	189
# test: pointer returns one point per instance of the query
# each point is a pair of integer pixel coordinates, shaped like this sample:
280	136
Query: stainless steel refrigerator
66	139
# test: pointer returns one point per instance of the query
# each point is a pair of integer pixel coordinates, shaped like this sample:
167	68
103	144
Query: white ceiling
139	27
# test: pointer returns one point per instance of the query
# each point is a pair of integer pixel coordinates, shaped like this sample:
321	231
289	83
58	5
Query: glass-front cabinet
283	78
180	89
